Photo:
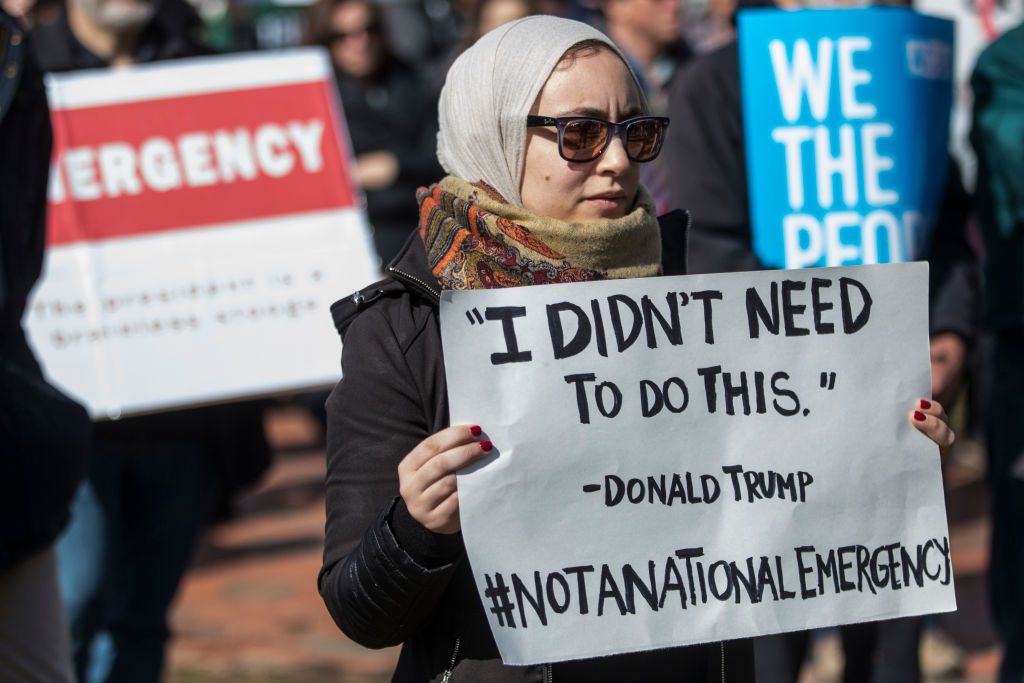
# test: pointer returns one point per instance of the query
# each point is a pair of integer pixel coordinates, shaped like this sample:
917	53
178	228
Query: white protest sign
201	220
688	459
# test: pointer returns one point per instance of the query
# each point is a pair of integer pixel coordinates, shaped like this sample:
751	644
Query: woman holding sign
543	129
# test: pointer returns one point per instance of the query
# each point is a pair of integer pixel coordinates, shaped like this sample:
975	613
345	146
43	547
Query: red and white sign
201	220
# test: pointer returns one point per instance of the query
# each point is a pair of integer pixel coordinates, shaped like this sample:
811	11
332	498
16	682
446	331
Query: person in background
709	178
490	14
649	32
998	140
391	118
705	104
419	31
44	436
709	26
28	12
481	17
154	480
88	34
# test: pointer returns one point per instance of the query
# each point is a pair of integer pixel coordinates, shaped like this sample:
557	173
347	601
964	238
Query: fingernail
926	404
475	430
919	416
486	446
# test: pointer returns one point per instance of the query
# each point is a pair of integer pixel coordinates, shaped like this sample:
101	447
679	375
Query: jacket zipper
548	673
447	677
689	224
412	279
722	646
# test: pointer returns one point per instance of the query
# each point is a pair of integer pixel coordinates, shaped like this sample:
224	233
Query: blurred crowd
150	484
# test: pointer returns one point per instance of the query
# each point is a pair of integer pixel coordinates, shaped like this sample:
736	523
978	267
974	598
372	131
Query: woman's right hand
426	476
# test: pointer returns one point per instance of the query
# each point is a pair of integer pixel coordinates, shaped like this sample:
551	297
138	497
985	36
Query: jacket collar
407	272
410	266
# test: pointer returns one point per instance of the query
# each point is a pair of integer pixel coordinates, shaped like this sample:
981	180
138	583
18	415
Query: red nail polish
486	446
926	404
919	416
475	430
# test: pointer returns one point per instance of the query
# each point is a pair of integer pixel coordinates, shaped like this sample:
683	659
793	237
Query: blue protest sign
846	119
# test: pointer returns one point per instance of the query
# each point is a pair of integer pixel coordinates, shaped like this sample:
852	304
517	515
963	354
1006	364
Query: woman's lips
607	201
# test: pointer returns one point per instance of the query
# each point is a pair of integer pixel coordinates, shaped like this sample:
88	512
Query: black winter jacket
386	579
44	436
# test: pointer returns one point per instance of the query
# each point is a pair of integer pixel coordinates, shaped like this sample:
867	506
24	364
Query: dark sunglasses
585	138
373	28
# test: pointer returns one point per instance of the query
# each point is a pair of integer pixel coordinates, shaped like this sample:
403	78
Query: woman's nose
614	161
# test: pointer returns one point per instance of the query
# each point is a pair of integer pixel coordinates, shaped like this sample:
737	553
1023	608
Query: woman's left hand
930	419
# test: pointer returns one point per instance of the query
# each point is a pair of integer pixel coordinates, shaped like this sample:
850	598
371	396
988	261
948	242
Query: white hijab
489	91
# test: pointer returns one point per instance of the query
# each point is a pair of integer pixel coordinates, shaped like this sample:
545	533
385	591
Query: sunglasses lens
643	139
582	139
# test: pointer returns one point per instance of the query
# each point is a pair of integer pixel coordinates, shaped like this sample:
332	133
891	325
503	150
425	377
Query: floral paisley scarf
475	240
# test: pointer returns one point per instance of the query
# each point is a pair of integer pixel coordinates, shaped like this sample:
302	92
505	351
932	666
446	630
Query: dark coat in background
998	139
154	480
44	436
393	112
